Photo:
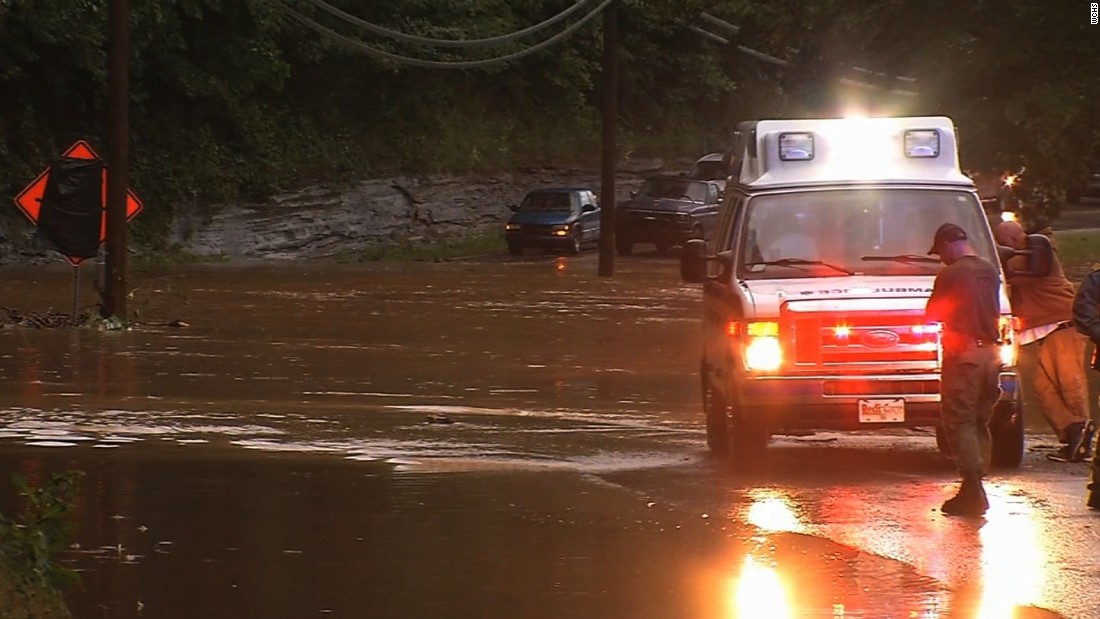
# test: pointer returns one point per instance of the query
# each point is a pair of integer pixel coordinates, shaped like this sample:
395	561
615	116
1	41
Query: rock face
317	222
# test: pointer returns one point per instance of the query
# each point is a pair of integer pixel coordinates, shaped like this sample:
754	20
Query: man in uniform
1086	317
1044	306
965	300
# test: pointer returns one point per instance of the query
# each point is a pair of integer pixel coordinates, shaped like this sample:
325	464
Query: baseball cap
947	233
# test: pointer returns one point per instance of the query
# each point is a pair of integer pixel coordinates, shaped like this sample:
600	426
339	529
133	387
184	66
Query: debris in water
439	418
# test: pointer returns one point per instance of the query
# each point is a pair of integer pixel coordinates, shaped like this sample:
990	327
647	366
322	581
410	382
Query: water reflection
759	591
773	511
278	459
1014	566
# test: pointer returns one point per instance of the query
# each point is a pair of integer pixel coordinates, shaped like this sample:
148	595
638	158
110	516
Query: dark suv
556	217
666	211
1085	189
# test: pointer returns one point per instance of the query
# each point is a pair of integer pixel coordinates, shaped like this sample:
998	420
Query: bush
31	579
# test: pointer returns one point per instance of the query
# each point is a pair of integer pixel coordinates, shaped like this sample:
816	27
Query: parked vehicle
554	218
817	277
1087	189
666	211
712	167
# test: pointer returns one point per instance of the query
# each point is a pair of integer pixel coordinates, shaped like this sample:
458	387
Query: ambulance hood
842	294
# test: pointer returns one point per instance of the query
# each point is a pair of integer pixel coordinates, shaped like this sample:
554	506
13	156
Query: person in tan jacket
1044	308
1086	317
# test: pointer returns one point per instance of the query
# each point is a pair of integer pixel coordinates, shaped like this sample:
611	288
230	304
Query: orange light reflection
1014	563
759	592
772	510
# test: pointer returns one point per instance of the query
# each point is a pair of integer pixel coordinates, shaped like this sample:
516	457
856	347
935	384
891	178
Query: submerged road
485	438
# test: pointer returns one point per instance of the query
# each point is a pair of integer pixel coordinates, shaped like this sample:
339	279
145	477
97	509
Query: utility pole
610	117
118	138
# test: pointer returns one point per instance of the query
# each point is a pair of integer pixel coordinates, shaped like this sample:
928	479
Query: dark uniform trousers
969	389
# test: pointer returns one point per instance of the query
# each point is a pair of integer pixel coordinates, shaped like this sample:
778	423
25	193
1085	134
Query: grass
1079	251
431	251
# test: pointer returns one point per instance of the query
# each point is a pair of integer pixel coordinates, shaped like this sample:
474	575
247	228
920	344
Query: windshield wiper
798	262
906	258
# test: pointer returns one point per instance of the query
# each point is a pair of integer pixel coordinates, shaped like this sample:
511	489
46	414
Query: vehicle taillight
1010	351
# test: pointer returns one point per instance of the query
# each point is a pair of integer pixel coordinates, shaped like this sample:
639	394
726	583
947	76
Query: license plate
881	411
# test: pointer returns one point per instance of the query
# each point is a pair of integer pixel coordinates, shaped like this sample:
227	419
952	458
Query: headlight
763	354
511	227
683	216
561	228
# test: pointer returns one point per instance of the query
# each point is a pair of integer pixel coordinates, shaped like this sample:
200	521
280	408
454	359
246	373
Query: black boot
970	501
1094	496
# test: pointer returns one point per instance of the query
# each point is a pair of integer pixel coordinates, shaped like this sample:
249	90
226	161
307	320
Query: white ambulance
816	279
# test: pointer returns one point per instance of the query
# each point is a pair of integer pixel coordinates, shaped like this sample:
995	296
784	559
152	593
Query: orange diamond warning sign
30	199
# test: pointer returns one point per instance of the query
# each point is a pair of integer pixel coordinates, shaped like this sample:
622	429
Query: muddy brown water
483	438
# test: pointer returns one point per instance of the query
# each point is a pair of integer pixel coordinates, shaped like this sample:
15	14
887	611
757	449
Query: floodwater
491	438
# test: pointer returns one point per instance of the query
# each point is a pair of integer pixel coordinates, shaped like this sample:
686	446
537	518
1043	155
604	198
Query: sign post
29	202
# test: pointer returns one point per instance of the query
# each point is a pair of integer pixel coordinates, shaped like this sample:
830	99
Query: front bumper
832	402
654	225
537	238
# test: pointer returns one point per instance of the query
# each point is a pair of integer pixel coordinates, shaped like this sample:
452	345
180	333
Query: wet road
485	438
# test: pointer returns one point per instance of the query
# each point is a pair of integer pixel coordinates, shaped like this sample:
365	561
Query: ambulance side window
728	216
727	221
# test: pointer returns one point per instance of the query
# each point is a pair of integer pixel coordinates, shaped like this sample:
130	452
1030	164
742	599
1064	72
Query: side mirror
693	261
1039	253
588	208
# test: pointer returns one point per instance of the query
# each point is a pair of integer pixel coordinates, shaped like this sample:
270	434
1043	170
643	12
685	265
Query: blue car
554	218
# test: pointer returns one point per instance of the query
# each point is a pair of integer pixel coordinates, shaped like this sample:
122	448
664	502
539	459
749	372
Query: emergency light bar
796	146
920	143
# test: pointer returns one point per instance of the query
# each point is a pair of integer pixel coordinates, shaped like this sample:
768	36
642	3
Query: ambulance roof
845	150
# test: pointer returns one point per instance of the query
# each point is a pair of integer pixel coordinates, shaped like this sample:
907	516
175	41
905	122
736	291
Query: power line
463	43
437	64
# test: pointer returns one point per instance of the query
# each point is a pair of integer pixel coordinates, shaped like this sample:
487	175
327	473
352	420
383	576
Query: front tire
575	241
717	415
1007	431
748	437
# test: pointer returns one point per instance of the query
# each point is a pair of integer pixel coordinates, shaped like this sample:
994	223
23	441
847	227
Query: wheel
1007	430
515	249
624	247
747	437
575	240
717	414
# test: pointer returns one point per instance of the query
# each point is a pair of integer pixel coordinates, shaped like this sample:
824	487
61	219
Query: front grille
829	339
651	218
536	229
879	387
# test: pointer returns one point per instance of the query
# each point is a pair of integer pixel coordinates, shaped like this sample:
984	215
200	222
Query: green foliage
1077	251
1019	78
30	543
441	250
237	99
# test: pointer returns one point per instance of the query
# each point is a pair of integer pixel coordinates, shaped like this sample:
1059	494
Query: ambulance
815	282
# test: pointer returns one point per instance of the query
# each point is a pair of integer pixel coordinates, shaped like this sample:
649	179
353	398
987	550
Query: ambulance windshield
854	231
